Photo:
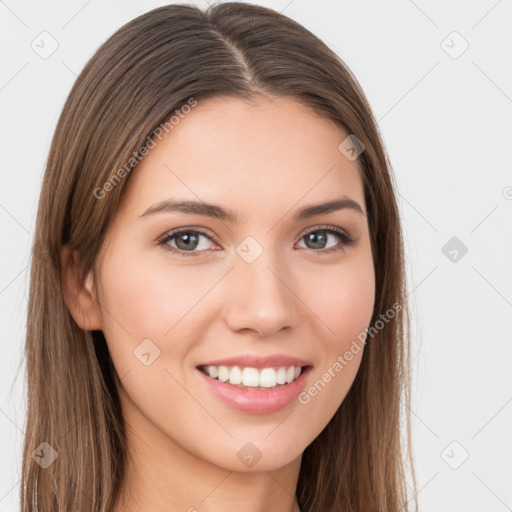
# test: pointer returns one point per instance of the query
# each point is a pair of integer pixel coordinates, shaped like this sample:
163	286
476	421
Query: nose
261	298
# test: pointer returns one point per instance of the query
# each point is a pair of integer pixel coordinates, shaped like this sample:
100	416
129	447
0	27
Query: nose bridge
261	299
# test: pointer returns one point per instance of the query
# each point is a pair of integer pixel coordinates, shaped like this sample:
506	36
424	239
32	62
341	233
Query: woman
217	313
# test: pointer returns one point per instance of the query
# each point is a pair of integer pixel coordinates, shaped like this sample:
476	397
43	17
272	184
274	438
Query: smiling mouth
256	379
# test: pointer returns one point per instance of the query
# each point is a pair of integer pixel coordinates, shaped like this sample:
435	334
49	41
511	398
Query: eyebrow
219	212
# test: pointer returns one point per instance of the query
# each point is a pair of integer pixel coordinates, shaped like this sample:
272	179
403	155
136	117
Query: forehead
262	155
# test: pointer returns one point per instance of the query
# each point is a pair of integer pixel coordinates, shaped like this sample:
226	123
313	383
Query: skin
264	161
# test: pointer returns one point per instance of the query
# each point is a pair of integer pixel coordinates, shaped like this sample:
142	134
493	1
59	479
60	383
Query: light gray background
446	122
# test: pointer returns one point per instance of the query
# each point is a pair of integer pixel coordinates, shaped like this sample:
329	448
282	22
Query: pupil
187	239
318	238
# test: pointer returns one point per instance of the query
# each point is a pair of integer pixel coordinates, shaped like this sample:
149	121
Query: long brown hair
149	68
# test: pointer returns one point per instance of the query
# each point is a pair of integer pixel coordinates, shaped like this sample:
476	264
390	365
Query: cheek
153	299
343	301
351	307
342	298
149	298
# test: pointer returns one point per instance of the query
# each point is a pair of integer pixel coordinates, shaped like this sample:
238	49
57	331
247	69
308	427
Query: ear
80	297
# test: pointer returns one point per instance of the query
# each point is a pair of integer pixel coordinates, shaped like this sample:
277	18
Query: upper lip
257	361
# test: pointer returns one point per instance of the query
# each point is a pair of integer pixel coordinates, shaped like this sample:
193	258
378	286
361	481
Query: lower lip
257	401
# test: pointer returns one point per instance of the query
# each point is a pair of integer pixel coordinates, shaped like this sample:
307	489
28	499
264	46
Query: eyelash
346	240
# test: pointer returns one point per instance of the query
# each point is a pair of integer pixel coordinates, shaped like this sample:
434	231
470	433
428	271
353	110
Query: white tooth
251	377
235	375
213	372
223	373
268	378
281	375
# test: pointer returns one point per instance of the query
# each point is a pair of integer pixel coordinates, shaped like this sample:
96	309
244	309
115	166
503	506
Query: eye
185	241
319	238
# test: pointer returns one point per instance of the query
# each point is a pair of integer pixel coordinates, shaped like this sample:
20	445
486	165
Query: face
260	279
